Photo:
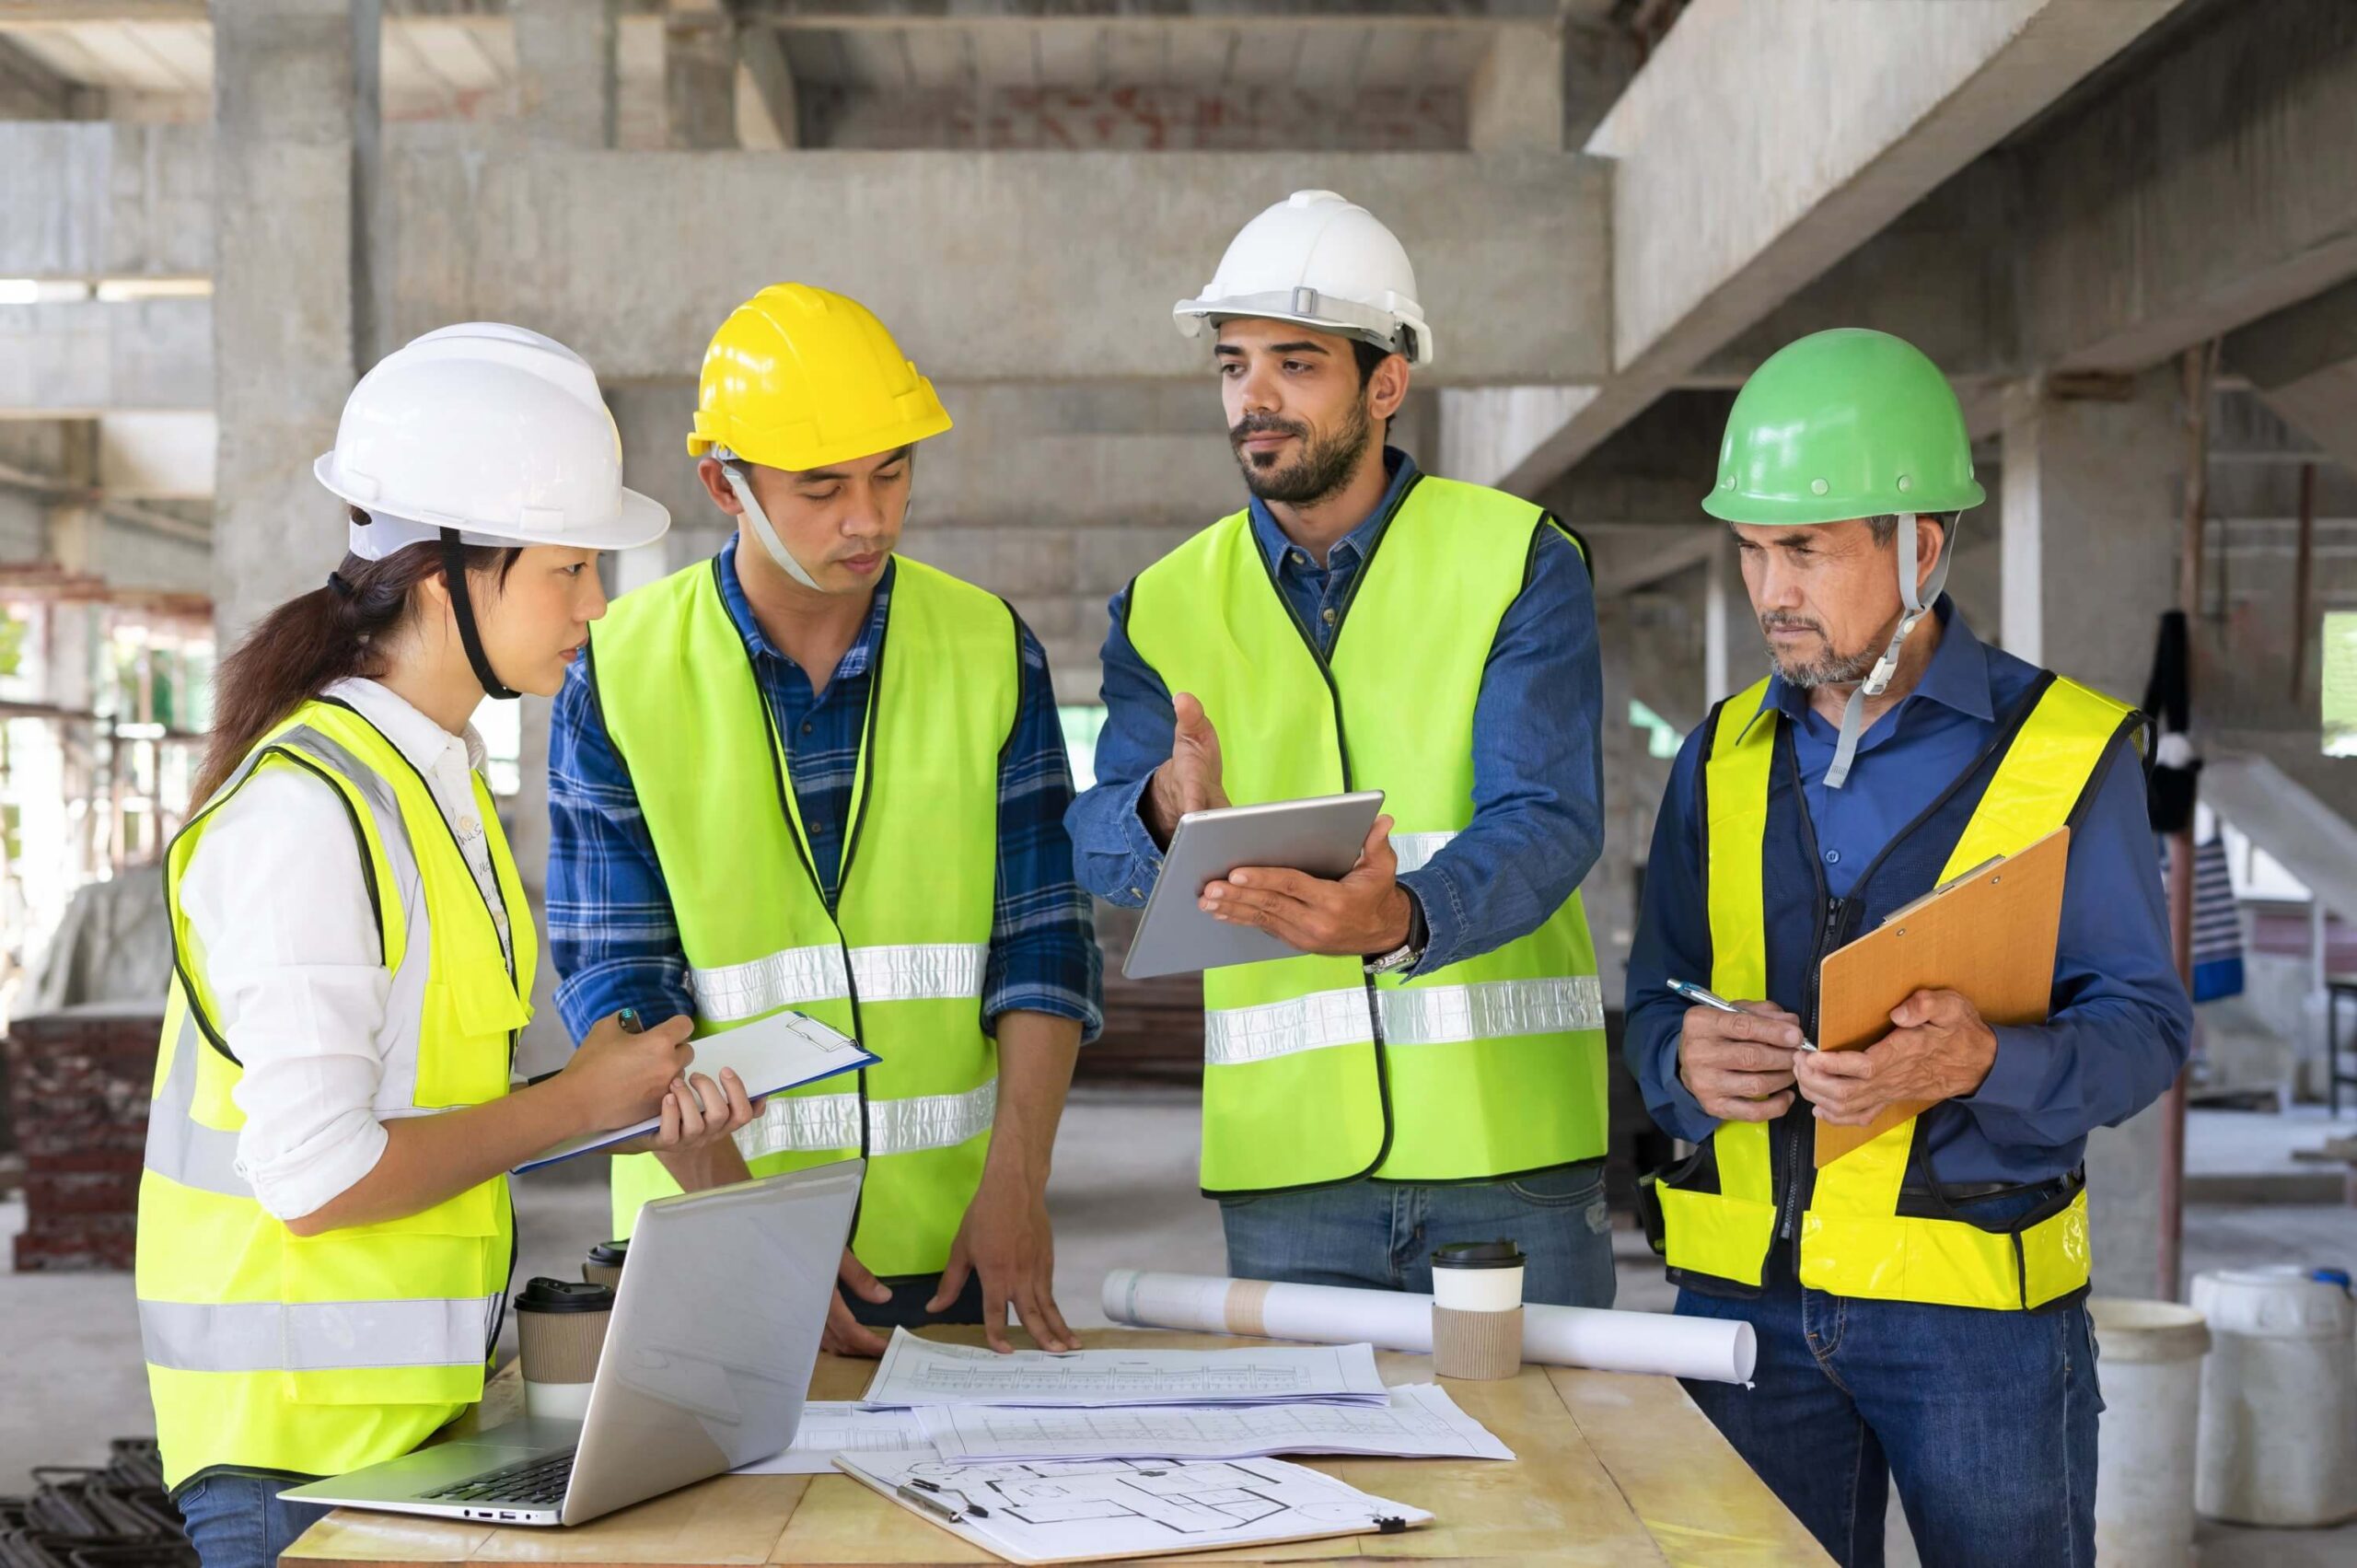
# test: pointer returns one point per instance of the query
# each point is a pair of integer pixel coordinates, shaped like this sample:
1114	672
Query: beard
1829	667
1325	465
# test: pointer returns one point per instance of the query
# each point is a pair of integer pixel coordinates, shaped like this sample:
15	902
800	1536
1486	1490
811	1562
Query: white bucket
2151	1354
2279	1399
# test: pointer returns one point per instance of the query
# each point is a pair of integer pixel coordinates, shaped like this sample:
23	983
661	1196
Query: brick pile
78	1082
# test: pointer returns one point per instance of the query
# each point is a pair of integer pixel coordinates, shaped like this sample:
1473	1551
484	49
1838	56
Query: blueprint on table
917	1372
839	1426
1052	1512
1420	1422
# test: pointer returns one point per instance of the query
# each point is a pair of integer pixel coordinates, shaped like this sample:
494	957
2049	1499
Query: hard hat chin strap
763	531
1918	603
454	574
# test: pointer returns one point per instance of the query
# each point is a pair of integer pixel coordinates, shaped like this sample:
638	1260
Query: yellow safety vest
898	963
1854	1240
313	1355
1312	1073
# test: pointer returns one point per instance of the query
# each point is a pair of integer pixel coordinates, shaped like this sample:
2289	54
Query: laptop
706	1362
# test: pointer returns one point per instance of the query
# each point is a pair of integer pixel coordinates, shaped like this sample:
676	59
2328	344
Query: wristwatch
1408	953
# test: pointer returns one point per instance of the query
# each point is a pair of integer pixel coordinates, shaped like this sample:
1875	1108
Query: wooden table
1612	1469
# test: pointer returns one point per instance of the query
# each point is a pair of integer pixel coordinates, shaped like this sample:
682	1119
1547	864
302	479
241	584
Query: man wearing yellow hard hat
808	773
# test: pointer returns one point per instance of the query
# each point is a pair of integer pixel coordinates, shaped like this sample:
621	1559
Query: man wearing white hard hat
324	1228
1432	1068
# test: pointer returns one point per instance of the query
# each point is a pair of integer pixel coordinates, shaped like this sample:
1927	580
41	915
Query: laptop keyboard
533	1481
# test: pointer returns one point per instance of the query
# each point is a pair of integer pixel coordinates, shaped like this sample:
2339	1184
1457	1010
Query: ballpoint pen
1700	997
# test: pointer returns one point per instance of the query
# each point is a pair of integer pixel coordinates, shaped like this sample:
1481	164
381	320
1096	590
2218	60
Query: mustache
1253	425
1789	624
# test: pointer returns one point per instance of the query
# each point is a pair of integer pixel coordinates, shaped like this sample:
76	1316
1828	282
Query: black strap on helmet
454	573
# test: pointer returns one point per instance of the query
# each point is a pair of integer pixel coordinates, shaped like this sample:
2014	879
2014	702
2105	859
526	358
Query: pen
1700	997
930	1503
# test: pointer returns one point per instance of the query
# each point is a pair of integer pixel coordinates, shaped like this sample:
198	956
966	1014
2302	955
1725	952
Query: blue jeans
1986	1420
236	1521
1380	1235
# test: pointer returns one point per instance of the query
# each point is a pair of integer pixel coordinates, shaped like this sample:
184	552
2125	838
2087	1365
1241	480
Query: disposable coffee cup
1476	1309
561	1325
604	1264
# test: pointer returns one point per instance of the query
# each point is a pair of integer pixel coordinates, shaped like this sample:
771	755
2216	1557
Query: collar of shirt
425	743
1353	547
1956	678
856	658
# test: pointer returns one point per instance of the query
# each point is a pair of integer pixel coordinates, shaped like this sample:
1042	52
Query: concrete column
1515	103
700	80
74	523
566	76
2083	597
288	115
767	115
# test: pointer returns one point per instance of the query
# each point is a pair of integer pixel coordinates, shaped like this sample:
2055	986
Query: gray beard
1828	668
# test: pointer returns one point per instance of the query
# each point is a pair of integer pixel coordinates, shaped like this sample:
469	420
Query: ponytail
307	644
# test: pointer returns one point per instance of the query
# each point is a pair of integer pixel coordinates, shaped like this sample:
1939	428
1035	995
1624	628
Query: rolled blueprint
1708	1349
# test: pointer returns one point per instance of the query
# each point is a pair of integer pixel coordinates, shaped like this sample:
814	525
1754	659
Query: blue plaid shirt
614	938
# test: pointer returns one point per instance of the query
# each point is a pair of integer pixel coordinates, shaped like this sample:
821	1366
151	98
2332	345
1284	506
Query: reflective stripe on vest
1853	1241
316	1355
802	1123
1312	1073
900	961
1440	1015
796	977
314	1336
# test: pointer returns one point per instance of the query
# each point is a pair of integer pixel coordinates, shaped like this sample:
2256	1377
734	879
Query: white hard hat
492	430
1325	263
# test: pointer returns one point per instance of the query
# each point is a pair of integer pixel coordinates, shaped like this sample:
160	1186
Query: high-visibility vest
1314	1073
1771	923
313	1355
898	960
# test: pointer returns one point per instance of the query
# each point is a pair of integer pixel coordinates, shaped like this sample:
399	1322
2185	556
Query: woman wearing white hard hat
324	1228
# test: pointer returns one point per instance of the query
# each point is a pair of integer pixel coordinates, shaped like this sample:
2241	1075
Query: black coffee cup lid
544	1294
1478	1255
612	1254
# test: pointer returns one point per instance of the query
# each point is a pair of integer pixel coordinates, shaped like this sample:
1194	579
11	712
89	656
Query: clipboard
1989	933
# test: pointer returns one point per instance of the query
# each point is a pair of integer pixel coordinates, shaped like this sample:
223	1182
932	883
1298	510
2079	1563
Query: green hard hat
1849	422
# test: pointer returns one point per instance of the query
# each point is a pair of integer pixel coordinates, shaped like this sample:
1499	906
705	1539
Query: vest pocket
470	1018
388	1320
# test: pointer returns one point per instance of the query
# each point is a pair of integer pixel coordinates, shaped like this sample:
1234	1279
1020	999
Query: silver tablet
1320	836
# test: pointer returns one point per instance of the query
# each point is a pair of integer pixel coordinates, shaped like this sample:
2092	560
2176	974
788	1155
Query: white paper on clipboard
782	1051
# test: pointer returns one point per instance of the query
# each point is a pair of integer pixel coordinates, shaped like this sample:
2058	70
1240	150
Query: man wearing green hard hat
1919	1302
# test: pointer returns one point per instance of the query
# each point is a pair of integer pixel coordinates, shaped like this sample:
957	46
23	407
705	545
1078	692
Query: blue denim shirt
1537	771
611	930
2107	1050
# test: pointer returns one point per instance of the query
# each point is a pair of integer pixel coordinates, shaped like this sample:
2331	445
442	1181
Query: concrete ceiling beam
1876	107
79	360
2302	363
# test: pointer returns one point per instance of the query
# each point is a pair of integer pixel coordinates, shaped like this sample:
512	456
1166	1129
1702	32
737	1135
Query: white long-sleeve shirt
276	895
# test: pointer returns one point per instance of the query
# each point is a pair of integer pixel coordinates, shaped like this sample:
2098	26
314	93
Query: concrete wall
1144	118
1067	263
129	556
2215	184
101	200
82	359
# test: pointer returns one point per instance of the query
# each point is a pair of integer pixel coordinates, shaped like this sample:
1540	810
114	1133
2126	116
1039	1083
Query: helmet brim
1194	319
1757	510
638	520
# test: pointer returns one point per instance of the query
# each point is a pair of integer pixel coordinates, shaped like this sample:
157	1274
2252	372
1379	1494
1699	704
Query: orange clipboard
1989	934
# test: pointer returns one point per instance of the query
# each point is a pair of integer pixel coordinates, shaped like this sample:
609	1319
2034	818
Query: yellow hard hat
799	378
